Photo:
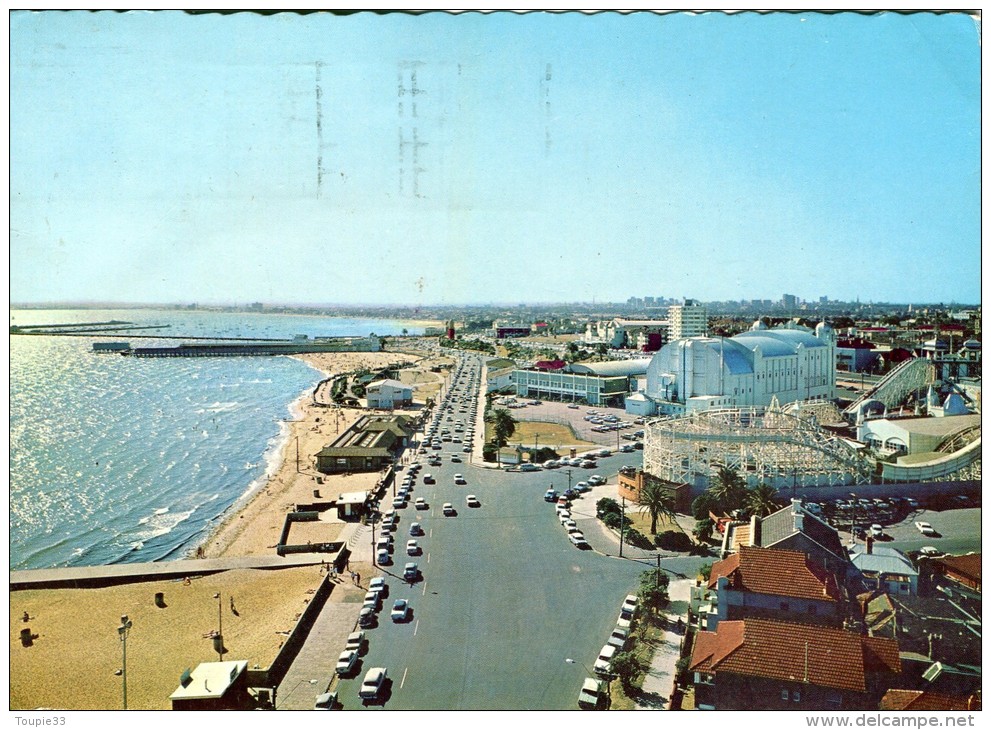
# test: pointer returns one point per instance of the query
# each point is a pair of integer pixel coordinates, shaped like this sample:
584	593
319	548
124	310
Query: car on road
877	530
578	540
413	548
326	701
573	406
346	662
449	509
569	524
619	637
595	480
382	557
551	464
550	495
925	528
455	459
415	530
429	479
603	663
624	622
929	551
411	572
591	696
399	502
355	641
629	606
421	503
529	467
373	600
367	617
459	479
563	515
373	683
472	501
587	464
400	610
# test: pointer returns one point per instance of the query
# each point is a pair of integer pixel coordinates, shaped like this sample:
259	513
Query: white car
413	548
603	664
929	551
925	528
421	503
356	641
563	515
373	683
529	467
346	662
449	509
595	480
472	501
378	585
578	540
459	479
373	600
400	610
569	524
415	530
629	605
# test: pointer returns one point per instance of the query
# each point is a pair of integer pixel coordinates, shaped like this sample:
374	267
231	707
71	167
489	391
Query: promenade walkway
102	575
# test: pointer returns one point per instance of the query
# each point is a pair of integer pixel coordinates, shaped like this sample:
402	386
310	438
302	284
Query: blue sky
162	157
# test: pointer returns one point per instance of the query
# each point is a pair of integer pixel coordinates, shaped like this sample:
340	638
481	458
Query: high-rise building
688	320
789	301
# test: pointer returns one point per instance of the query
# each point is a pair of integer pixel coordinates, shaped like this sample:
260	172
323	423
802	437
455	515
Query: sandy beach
72	661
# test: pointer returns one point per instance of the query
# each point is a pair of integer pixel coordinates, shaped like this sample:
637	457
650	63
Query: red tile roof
776	572
914	699
822	656
967	565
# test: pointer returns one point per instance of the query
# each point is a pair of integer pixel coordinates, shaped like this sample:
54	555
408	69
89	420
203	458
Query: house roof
969	565
781	525
209	680
883	560
390	382
819	655
612	368
369	436
776	572
916	699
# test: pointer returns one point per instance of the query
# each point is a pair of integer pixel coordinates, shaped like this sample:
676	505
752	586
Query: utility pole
622	524
657	575
297	454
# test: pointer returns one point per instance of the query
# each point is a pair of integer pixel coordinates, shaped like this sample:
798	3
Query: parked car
356	641
550	495
346	662
619	637
578	540
529	467
373	683
326	701
429	479
629	606
367	618
449	509
413	548
378	585
472	501
877	530
382	557
925	528
603	663
930	552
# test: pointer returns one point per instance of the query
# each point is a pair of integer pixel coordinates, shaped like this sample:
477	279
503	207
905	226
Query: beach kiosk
214	686
350	505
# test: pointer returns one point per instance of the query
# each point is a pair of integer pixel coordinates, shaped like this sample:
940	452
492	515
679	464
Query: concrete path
658	684
312	672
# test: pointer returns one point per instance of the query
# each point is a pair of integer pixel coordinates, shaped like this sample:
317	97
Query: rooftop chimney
870	545
798	513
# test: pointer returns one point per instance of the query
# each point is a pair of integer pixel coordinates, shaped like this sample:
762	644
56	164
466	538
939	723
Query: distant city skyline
443	160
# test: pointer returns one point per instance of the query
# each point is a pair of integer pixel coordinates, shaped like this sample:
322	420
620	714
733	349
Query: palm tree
503	425
760	500
655	501
728	489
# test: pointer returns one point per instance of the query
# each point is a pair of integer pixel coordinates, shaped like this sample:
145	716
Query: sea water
119	459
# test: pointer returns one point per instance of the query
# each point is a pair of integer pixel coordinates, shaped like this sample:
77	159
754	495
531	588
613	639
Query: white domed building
791	362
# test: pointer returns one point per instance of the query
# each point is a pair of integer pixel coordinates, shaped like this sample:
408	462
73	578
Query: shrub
677	541
606	506
544	453
637	539
612	519
489	451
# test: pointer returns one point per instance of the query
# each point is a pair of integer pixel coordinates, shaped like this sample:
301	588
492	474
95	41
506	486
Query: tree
703	529
628	667
728	489
503	425
703	504
655	501
653	591
602	348
760	500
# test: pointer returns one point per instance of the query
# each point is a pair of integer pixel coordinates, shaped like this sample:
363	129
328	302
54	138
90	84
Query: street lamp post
219	641
125	626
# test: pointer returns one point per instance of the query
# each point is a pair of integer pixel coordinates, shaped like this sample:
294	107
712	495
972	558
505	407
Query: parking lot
565	413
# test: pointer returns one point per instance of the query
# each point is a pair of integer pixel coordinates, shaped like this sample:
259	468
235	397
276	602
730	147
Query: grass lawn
643	647
546	434
641	522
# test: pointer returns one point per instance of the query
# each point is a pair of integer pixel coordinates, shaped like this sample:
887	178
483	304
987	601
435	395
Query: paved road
504	600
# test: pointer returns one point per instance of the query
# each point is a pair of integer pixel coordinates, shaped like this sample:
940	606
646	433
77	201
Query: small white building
388	394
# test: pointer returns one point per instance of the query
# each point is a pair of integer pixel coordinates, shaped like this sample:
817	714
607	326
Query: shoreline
253	523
